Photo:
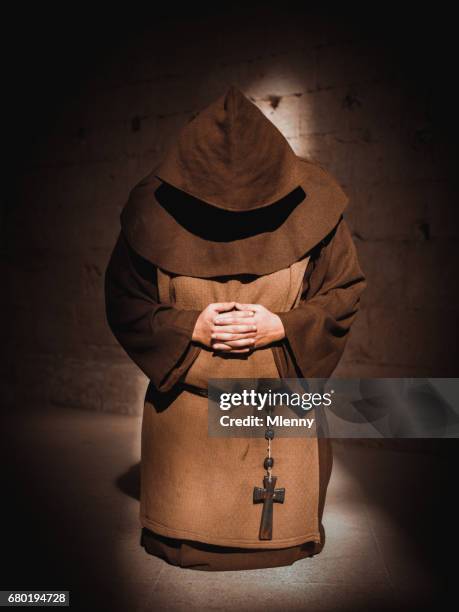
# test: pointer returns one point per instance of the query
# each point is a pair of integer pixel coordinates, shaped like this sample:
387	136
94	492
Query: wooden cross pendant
268	495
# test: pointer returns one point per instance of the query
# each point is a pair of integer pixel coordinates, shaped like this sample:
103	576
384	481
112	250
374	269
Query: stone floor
70	521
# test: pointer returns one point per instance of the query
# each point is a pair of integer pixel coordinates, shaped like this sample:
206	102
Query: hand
268	326
241	333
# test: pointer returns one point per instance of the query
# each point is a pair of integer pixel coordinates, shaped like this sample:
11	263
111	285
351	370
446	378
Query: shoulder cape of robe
157	336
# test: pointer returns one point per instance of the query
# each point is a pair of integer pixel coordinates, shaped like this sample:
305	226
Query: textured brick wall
340	97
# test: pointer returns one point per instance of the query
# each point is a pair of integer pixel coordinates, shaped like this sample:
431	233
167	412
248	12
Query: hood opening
219	225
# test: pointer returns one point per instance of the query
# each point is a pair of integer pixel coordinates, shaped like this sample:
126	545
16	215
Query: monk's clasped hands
237	328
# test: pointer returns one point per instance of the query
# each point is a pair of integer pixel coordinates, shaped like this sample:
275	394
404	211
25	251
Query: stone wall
351	98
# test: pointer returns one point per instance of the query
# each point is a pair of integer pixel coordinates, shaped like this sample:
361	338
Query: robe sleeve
156	335
316	331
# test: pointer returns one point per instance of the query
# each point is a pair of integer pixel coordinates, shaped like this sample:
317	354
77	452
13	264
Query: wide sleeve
316	331
156	336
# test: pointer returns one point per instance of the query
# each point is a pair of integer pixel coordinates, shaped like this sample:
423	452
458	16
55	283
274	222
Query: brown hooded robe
275	237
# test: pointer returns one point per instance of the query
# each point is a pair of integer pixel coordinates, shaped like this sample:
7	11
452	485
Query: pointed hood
231	197
231	156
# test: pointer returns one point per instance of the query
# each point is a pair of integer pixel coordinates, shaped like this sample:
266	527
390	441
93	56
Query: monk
233	260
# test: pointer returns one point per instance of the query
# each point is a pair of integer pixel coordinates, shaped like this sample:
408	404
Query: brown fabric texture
231	156
194	555
208	557
157	336
231	171
317	331
278	291
195	498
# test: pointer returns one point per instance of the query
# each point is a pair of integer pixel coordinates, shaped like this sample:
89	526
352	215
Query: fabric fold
317	329
156	336
231	197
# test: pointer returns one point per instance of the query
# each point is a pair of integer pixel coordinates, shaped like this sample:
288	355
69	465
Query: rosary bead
269	462
269	434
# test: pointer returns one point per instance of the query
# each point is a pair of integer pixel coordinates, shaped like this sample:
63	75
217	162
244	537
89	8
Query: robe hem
184	534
